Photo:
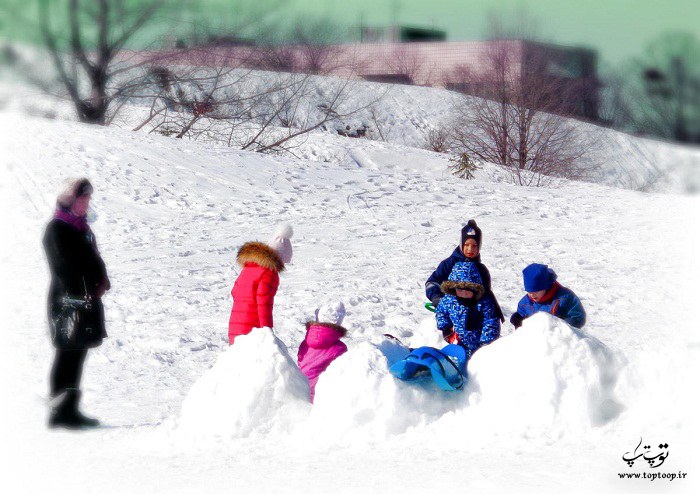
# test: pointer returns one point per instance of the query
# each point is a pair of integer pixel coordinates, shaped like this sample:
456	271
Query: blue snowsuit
432	285
475	321
563	303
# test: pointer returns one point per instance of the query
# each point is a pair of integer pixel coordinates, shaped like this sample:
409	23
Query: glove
436	300
447	334
516	320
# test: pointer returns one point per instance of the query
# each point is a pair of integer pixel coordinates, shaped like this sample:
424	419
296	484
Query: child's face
537	296
464	293
470	248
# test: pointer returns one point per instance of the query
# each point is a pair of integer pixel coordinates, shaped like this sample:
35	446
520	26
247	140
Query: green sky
617	28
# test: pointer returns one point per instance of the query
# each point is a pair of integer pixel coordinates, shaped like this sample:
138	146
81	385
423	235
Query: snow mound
545	373
358	398
253	388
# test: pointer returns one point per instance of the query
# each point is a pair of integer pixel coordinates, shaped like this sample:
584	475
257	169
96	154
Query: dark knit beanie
470	230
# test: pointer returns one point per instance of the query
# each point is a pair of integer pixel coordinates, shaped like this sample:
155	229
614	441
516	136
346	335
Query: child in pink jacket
322	344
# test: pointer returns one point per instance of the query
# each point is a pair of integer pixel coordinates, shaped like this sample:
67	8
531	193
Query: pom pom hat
280	243
470	230
332	313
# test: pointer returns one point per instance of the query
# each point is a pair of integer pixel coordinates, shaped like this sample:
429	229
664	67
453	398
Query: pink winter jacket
321	346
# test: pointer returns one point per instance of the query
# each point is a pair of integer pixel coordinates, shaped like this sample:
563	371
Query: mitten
516	320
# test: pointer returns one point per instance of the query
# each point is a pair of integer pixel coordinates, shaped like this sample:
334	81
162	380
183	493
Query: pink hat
281	244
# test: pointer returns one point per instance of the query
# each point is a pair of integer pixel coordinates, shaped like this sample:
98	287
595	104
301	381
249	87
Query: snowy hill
547	409
403	116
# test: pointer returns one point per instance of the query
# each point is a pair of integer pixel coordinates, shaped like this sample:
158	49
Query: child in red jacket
255	288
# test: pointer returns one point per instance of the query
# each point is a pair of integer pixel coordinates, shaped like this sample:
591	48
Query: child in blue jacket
469	250
467	314
545	294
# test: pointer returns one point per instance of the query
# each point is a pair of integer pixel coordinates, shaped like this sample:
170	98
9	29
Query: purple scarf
78	222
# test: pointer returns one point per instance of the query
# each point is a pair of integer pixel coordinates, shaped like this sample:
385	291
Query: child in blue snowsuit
467	251
545	294
467	314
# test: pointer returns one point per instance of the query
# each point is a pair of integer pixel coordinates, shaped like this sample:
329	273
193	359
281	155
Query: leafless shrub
520	119
437	139
405	61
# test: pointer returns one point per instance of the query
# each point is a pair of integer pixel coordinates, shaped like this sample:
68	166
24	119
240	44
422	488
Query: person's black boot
66	413
60	415
78	416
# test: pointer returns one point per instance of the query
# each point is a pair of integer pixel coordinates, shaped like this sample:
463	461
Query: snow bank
547	375
357	398
254	387
544	374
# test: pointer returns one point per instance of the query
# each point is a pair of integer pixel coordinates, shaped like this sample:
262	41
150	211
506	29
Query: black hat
470	230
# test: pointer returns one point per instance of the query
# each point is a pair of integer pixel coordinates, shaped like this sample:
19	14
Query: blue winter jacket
432	286
475	322
565	305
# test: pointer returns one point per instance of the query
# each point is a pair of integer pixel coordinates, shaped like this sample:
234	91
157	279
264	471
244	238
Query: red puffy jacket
254	290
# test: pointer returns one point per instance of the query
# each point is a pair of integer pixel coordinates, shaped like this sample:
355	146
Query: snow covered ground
547	409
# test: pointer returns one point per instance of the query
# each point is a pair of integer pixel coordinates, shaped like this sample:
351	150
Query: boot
65	412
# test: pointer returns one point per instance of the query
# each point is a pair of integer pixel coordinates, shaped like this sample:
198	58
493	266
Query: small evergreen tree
463	166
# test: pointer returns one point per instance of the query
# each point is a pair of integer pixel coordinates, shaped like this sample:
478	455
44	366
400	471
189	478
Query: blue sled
447	366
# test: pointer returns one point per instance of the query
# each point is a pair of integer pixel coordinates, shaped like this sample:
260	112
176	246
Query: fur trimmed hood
261	254
330	325
450	287
464	275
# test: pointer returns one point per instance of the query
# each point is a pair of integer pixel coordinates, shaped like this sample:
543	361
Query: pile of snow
358	399
546	373
543	375
254	388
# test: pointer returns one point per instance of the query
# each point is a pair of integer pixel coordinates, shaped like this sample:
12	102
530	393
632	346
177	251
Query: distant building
399	34
402	55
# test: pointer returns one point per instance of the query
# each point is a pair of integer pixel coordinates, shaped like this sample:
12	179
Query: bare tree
317	43
97	31
520	119
229	102
405	61
664	95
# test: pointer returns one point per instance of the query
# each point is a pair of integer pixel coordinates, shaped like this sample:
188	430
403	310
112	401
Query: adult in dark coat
467	251
77	272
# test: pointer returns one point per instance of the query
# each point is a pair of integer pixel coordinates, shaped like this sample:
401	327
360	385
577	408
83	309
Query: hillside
369	229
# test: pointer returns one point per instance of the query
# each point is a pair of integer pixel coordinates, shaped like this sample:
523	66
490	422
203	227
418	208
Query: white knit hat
71	189
333	313
281	244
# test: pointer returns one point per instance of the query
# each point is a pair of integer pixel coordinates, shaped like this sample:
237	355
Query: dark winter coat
255	288
432	286
558	301
475	321
76	269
